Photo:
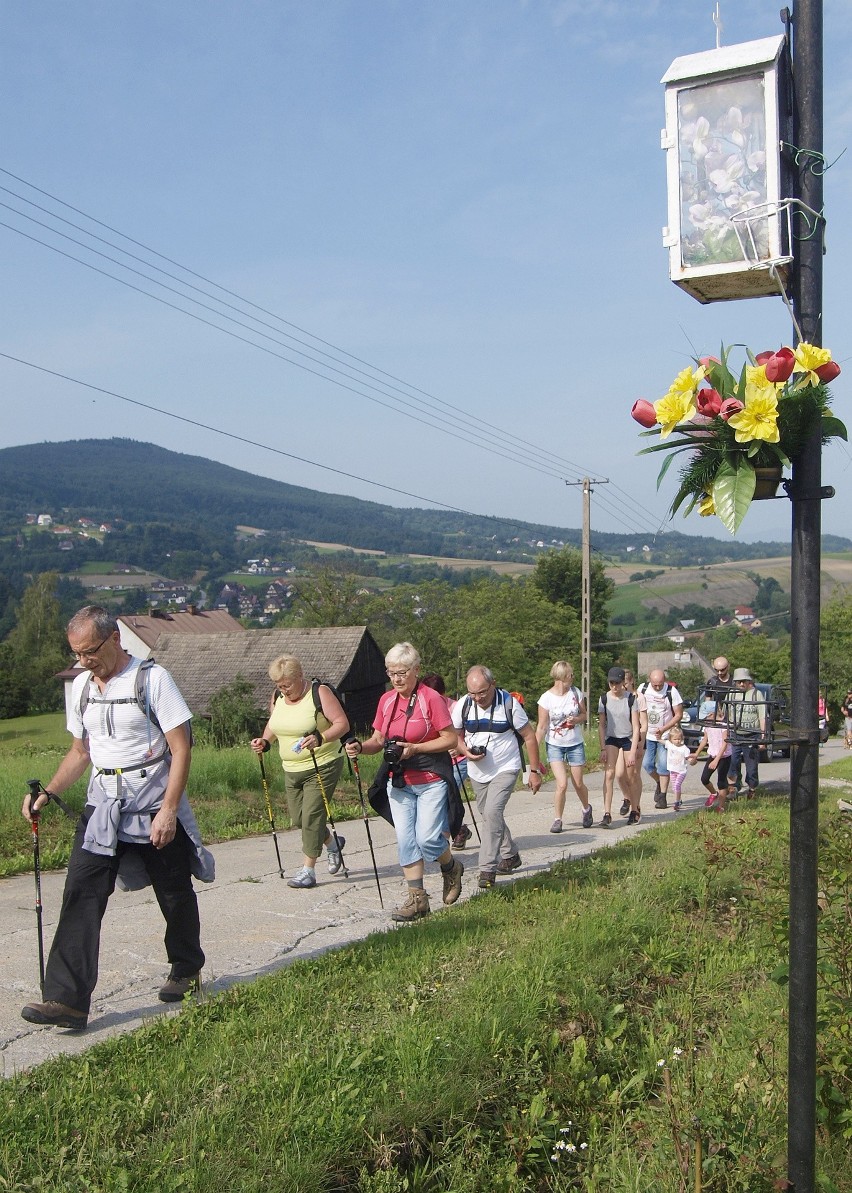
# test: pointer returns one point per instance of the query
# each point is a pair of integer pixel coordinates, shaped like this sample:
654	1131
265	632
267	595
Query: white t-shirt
658	708
558	709
676	757
490	727
118	734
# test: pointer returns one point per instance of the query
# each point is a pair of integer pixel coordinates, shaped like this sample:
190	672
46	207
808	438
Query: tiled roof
205	621
346	656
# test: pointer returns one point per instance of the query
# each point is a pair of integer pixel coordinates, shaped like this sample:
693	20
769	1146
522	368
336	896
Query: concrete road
253	923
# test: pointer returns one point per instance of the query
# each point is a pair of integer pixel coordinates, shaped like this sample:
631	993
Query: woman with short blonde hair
561	717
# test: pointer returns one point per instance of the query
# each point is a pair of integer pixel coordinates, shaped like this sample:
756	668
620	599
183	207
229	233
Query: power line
545	460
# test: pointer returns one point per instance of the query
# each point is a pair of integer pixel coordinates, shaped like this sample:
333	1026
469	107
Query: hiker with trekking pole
130	724
415	788
309	724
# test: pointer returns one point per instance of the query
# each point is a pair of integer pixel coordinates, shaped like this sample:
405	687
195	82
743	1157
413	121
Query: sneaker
415	907
54	1014
625	808
462	837
606	820
677	805
487	879
453	881
176	989
556	827
634	817
711	800
587	817
303	878
507	864
334	849
660	801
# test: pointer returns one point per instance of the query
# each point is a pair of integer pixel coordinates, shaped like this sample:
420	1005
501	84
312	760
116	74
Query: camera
392	752
477	751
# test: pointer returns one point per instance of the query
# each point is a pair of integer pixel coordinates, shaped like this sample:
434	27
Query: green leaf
733	490
831	426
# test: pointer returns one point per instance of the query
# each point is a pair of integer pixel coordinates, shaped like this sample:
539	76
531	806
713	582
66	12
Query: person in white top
663	707
136	809
562	716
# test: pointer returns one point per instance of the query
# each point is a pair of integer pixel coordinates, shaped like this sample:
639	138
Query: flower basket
735	427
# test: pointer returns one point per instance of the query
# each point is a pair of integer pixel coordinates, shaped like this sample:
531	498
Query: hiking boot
334	849
625	808
634	816
587	816
677	805
487	879
303	877
415	907
556	827
660	801
452	881
462	837
54	1014
507	864
606	820
176	989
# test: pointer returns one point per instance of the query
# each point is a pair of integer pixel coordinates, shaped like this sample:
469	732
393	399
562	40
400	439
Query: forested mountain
200	502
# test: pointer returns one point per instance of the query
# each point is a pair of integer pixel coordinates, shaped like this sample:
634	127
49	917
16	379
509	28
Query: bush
234	714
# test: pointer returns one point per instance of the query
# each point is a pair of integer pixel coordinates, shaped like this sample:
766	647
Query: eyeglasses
480	694
91	651
397	674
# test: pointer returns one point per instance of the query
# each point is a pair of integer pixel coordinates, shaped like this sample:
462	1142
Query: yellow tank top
290	722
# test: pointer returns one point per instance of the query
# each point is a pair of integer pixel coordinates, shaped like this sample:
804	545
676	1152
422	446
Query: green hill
129	483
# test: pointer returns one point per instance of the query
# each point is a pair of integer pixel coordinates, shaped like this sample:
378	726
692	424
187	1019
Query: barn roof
151	627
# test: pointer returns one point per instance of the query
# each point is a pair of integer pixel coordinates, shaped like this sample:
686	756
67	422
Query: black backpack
316	684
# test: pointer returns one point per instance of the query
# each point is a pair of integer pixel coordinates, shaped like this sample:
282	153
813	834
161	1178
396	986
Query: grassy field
611	1027
224	787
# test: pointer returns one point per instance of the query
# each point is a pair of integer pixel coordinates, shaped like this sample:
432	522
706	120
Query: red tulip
644	413
828	371
709	402
708	361
729	407
763	357
779	367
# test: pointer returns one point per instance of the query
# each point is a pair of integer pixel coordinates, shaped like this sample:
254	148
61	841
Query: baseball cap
615	675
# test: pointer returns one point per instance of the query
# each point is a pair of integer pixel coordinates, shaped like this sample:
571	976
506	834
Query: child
677	755
718	758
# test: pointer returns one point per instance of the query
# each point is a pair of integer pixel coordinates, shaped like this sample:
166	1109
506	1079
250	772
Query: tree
835	629
234	713
37	645
558	576
328	597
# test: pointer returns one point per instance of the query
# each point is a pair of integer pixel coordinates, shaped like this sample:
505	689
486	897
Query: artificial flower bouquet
731	424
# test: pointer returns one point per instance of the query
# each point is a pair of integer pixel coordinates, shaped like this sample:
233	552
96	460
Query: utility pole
586	599
806	493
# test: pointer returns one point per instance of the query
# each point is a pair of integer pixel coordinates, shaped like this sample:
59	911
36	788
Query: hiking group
129	724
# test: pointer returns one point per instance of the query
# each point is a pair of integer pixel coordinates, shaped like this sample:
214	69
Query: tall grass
224	787
584	1030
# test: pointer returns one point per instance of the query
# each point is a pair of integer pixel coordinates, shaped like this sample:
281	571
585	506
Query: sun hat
742	673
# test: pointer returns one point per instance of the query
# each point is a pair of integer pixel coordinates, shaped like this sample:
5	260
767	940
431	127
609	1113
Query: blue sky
468	196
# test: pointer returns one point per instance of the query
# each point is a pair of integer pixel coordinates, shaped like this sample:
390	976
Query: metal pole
805	605
587	589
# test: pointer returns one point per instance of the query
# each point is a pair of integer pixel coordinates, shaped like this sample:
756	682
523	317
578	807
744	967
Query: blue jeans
748	753
419	813
655	758
570	755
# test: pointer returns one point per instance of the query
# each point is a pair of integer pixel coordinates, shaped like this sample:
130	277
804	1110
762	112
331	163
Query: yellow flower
759	417
678	405
808	359
707	505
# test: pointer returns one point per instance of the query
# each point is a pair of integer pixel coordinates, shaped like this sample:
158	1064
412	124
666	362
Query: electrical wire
544	461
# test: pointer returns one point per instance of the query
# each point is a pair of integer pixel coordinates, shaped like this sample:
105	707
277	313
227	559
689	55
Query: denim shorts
570	755
419	813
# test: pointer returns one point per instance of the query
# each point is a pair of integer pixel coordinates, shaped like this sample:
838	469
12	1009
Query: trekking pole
269	814
34	786
464	791
328	814
353	765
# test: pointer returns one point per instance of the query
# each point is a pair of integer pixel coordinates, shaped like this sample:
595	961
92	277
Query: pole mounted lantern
729	233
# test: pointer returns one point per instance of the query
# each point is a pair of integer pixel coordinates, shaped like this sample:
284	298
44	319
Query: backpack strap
316	684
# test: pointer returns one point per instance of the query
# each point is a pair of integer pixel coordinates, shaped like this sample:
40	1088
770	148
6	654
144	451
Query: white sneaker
335	857
303	878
